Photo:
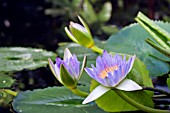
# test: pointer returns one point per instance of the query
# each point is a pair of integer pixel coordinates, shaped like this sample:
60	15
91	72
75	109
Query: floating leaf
6	80
130	40
18	58
78	50
52	100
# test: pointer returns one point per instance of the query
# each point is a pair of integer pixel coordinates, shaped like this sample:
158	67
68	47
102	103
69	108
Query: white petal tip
84	102
128	85
96	93
67	54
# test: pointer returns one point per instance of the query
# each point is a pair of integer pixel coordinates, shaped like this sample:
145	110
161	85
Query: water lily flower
110	72
67	71
80	34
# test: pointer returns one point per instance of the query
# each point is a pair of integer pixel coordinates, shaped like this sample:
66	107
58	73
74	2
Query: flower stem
156	90
79	93
10	92
138	105
97	49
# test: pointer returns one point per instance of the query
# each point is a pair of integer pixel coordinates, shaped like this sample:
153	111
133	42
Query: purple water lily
110	71
71	64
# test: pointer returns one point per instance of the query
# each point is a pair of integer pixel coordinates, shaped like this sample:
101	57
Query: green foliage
66	78
168	82
52	100
161	36
111	102
97	20
96	17
91	16
130	40
6	81
5	98
18	58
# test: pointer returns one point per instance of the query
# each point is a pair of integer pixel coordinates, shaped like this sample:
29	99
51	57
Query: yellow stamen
105	72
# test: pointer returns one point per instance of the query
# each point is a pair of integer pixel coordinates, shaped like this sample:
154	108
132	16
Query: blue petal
130	63
110	79
95	70
75	57
99	63
124	58
106	57
117	58
58	62
117	76
91	73
103	81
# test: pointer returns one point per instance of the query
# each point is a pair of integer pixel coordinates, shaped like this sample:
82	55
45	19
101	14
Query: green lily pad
130	40
6	80
80	51
18	58
52	100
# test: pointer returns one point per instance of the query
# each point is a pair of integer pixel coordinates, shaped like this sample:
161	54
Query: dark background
24	22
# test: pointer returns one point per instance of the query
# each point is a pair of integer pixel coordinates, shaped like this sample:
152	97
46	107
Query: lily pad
80	51
52	100
18	58
130	40
6	80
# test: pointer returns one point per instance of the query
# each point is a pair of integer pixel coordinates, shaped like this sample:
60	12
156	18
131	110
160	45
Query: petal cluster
110	70
71	64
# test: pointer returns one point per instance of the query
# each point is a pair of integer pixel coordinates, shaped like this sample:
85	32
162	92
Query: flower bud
80	34
67	71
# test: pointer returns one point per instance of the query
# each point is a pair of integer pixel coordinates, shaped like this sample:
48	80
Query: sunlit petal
128	85
67	54
54	70
78	26
96	93
70	35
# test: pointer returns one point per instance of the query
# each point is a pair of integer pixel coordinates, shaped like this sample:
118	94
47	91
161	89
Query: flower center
104	73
